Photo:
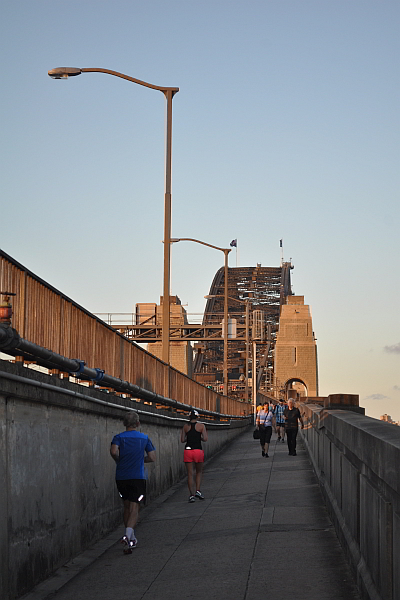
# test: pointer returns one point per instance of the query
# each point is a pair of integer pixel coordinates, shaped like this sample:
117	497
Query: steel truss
266	289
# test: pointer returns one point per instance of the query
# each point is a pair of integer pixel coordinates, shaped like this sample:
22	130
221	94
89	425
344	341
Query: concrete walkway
262	531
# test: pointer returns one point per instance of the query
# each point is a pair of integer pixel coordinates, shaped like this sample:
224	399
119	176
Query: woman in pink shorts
192	434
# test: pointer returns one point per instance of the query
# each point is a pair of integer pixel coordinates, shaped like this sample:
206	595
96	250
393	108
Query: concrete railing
57	492
357	460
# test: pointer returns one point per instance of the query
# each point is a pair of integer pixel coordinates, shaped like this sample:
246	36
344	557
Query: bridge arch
261	289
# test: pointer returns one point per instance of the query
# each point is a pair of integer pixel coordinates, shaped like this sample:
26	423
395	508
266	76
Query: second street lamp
226	252
169	92
247	303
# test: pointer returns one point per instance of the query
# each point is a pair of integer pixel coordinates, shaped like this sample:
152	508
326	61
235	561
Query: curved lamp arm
65	72
225	250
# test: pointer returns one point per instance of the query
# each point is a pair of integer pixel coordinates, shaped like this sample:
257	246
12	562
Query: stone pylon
295	348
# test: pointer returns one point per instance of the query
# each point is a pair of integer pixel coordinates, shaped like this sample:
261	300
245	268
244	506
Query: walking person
264	424
280	420
192	434
272	409
292	417
128	450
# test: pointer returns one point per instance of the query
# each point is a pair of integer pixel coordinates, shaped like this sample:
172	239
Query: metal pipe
60	390
11	341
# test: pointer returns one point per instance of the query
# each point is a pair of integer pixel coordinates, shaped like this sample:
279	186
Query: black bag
256	434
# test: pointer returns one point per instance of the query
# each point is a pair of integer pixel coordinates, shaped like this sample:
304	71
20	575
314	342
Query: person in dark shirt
192	434
128	450
292	417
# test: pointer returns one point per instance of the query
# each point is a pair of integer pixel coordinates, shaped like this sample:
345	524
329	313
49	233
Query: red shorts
196	456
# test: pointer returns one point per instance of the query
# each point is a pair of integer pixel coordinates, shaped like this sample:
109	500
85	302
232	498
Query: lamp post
254	380
169	92
246	301
226	252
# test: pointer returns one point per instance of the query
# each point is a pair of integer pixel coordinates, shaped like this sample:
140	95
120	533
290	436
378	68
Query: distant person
192	434
292	417
264	425
128	450
272	409
280	420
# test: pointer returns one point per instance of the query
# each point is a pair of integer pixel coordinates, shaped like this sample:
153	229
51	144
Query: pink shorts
196	456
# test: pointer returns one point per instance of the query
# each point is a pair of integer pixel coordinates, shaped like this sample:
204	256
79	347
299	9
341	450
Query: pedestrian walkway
262	532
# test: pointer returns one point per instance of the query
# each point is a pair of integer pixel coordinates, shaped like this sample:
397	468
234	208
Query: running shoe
199	495
192	499
129	544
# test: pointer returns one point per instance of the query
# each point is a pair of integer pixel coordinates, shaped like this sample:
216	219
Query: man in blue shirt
128	450
280	420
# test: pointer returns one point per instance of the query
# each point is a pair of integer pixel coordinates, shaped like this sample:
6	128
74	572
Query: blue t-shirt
279	413
132	446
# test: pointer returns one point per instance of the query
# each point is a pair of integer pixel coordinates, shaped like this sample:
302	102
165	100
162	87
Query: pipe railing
11	342
47	317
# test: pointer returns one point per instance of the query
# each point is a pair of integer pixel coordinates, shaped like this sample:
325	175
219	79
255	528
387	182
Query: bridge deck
262	531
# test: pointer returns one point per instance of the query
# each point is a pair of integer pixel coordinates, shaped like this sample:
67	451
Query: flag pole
233	244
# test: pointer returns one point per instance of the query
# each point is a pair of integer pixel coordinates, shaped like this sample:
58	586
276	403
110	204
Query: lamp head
64	72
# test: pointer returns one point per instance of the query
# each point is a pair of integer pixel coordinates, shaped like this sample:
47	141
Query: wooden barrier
45	316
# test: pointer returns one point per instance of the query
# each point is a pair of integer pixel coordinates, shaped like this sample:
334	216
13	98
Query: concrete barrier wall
57	492
357	460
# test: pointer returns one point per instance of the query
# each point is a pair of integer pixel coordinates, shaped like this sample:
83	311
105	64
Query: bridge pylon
295	359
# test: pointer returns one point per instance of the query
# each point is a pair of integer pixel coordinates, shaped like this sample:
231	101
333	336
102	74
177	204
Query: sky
286	126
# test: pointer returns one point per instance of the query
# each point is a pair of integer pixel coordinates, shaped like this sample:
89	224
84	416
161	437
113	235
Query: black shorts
265	435
133	490
280	424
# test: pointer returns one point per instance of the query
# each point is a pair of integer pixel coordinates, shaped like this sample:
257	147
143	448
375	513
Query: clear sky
286	126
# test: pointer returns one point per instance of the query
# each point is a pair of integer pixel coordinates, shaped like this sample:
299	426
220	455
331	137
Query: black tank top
193	438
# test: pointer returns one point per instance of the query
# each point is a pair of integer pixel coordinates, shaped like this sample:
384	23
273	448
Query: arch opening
296	388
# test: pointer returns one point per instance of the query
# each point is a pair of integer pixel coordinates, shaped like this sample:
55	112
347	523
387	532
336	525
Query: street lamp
246	301
226	252
169	92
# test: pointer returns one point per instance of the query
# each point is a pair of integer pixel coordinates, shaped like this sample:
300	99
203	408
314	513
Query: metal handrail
10	341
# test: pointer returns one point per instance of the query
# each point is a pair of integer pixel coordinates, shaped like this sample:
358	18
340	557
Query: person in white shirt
264	424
